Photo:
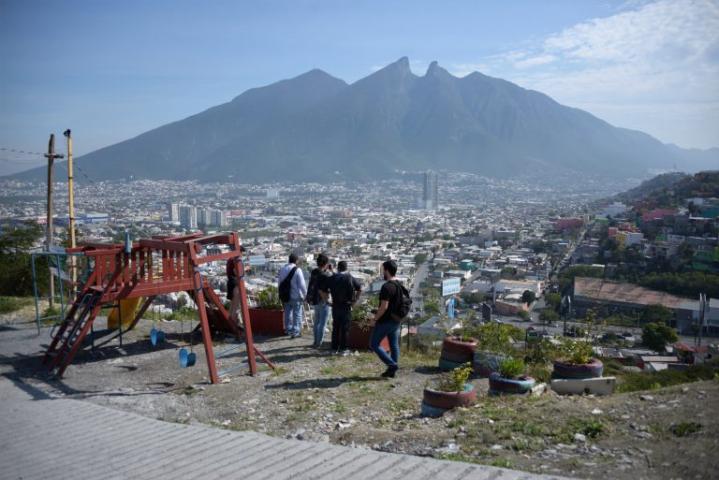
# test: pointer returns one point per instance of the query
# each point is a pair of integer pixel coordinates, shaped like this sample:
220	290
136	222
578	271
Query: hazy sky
113	69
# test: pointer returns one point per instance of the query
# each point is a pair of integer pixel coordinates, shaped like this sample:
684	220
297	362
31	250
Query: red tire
448	400
593	369
455	346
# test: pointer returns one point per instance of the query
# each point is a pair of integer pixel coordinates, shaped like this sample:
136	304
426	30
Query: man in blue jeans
385	323
298	291
318	298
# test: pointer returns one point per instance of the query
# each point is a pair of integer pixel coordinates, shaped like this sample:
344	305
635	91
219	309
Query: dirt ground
314	396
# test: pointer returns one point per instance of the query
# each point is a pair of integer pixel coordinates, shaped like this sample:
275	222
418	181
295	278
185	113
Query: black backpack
286	286
313	291
402	304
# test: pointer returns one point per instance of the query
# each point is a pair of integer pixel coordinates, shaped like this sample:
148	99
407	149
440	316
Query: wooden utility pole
51	156
71	207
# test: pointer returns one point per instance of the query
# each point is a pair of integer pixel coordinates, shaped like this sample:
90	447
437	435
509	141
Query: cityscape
283	241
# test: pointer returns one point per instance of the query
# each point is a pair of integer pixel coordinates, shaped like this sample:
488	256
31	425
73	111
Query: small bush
511	367
455	380
656	336
269	298
685	428
12	304
576	352
632	382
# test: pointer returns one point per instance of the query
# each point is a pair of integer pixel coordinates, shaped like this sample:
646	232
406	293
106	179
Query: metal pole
71	209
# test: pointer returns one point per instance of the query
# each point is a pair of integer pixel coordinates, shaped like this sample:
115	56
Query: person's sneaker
390	372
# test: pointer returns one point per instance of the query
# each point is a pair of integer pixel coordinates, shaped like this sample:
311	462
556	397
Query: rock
596	411
685	389
579	437
496	447
646	398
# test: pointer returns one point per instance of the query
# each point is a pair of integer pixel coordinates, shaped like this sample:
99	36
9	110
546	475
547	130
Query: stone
597	411
646	398
596	386
579	437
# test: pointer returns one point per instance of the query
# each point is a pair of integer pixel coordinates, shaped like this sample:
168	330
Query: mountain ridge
310	126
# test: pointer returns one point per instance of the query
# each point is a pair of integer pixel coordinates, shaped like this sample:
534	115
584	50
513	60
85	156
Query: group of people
337	292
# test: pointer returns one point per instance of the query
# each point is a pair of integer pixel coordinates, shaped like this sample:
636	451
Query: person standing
292	290
345	290
233	290
317	299
394	303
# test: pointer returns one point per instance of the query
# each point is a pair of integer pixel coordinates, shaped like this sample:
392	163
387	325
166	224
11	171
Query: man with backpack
292	293
319	278
394	306
345	290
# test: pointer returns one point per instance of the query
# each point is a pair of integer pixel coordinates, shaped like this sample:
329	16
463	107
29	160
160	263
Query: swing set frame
148	268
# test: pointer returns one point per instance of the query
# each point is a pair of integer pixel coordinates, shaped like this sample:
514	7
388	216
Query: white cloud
650	54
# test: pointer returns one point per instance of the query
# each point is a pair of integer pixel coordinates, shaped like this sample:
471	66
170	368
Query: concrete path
50	438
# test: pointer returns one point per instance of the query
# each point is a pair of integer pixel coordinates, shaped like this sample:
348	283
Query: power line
21	151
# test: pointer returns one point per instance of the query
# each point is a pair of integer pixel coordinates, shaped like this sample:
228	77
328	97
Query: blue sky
111	70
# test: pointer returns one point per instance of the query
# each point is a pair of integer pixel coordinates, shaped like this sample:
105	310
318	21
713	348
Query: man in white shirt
297	292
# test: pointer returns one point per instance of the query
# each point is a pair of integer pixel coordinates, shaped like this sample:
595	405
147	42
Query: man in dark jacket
345	290
319	279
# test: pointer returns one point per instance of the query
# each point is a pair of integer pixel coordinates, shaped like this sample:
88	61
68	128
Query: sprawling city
410	275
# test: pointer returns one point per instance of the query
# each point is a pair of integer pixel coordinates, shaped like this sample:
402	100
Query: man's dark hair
293	258
342	266
390	266
322	260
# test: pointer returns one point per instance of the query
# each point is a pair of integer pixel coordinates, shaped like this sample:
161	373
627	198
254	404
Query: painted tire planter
267	322
500	385
486	363
435	402
456	352
565	370
358	339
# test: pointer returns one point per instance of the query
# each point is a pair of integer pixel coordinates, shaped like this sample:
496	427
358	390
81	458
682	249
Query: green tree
548	316
656	336
553	300
657	314
528	297
15	265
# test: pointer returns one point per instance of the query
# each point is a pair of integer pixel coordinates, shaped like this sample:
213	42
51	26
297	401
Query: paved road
63	439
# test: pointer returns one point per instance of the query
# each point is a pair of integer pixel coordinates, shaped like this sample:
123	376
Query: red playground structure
148	268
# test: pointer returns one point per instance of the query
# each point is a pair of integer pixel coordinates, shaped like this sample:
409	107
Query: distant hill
317	127
672	189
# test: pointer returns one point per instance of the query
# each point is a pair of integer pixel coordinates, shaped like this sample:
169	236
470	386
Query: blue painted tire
593	369
429	411
447	365
500	385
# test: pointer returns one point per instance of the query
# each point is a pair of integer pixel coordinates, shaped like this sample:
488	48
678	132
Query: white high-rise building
430	192
218	218
174	211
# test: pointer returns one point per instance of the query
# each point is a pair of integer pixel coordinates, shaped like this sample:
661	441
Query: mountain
670	190
315	126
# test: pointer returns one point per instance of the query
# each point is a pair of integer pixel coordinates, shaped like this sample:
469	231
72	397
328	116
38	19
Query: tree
656	336
657	314
15	264
528	297
420	258
524	315
553	300
548	316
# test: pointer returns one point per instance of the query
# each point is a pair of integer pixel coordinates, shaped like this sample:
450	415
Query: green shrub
685	428
511	367
269	298
632	382
493	337
576	352
12	304
455	380
656	336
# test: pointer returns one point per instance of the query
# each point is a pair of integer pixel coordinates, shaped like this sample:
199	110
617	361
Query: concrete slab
595	386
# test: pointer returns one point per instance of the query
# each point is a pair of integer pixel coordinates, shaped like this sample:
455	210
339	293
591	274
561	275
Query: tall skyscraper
430	191
188	217
174	211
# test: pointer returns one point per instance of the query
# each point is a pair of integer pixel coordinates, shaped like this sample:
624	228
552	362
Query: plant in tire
510	378
576	361
452	390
